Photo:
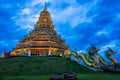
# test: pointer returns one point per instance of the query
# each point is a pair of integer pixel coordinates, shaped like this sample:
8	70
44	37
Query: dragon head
110	51
93	49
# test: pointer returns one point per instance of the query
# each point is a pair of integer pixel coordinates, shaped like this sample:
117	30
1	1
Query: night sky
79	22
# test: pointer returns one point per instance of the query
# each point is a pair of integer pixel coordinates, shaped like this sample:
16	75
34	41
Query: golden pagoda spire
45	8
44	19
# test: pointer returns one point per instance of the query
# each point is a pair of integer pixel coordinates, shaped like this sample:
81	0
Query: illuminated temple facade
43	40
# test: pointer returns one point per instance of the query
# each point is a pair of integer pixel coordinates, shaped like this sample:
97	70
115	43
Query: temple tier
43	40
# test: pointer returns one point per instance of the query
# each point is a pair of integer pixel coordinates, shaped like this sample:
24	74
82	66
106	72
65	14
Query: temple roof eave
43	35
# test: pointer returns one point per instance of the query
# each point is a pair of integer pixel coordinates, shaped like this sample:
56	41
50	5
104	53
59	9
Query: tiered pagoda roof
43	35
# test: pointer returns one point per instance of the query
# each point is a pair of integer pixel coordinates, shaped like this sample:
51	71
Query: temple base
39	52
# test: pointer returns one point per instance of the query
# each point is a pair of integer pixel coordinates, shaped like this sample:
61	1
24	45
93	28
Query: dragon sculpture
108	54
91	58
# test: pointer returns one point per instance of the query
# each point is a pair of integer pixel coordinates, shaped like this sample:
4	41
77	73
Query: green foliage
42	68
19	66
81	76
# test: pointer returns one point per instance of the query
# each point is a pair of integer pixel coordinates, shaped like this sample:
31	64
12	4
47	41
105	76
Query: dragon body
109	54
91	58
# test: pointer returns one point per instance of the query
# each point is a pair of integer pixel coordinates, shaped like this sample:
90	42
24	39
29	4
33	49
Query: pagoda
42	40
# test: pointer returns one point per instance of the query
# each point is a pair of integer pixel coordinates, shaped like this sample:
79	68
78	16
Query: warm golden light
43	40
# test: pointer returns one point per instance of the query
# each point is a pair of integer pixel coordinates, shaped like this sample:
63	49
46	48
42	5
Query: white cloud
36	2
25	11
82	51
101	33
26	27
112	44
69	15
109	45
73	15
25	23
65	15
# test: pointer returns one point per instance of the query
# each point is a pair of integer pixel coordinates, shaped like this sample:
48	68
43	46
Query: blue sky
79	22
